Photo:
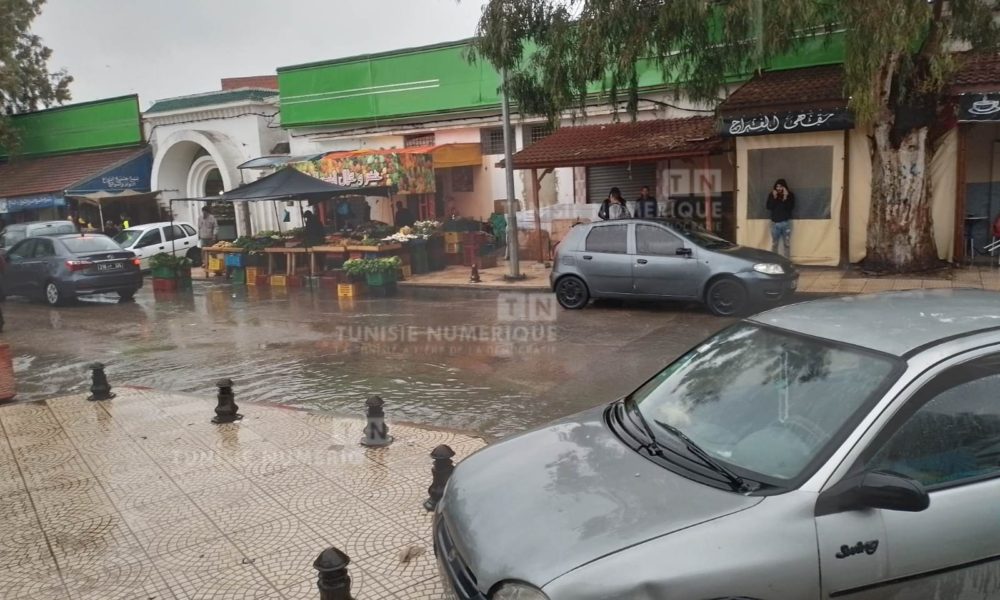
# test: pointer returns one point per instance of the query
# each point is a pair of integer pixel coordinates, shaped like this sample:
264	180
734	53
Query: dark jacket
315	235
781	211
405	218
645	208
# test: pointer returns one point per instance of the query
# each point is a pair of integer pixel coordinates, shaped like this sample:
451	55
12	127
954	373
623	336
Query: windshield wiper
651	446
735	481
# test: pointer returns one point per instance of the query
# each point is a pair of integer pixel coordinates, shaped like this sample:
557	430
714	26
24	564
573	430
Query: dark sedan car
60	268
653	259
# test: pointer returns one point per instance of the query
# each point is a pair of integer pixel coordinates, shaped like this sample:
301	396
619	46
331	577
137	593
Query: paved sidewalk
536	278
834	280
142	497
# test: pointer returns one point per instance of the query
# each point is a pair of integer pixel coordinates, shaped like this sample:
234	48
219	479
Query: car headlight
518	591
769	268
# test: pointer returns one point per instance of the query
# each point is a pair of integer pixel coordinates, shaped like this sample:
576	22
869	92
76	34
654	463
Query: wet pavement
484	363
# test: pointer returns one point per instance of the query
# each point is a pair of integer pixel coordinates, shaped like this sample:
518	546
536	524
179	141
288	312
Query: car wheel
126	295
571	292
194	254
726	297
53	296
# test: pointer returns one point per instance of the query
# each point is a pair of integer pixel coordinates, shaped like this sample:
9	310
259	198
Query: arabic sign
133	175
410	173
979	107
12	205
791	122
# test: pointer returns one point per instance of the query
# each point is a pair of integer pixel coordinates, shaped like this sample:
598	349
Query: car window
51	229
188	230
43	249
174	232
22	250
654	240
955	433
150	238
126	238
609	238
13	235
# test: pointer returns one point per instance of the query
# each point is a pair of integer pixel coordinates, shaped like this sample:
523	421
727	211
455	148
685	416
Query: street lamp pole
508	151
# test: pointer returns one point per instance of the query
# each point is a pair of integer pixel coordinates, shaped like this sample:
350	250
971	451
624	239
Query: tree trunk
900	232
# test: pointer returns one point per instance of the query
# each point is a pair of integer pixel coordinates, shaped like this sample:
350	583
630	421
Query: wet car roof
893	322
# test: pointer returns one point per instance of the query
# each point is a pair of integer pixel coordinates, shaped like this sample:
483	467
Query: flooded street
465	362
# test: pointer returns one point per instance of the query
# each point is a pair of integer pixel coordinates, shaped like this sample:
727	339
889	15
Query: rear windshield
51	229
88	244
128	237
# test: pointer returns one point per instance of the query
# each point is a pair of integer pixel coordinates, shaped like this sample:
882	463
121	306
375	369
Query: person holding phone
781	204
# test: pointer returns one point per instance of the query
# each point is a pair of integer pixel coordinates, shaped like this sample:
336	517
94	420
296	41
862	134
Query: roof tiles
30	176
812	87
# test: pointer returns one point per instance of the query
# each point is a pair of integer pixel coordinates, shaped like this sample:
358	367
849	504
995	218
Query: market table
290	254
221	252
323	250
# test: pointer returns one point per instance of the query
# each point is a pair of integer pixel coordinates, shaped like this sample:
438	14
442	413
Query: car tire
53	296
126	295
194	255
572	293
726	297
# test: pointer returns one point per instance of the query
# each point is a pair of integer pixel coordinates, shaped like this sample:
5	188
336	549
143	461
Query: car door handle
641	261
588	257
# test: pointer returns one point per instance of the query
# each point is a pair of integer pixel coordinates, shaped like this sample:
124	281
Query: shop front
430	181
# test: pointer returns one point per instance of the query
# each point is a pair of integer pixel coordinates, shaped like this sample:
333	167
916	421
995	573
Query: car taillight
136	262
78	265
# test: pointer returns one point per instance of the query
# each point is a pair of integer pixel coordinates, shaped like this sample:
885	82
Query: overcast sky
160	49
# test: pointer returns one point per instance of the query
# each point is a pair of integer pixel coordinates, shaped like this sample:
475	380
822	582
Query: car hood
538	505
754	255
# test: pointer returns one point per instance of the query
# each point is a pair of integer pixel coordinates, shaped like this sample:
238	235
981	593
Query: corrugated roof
976	72
30	176
621	142
812	88
210	99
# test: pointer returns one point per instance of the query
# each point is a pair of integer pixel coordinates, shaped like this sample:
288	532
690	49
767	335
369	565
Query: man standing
781	203
645	205
208	228
404	216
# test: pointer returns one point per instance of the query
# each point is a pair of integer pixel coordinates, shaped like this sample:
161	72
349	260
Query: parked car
150	239
845	447
657	259
16	232
60	268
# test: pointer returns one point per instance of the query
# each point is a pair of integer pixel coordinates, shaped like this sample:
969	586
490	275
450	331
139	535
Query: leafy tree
899	55
25	81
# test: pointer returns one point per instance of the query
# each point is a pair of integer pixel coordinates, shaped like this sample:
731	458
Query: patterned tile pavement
839	281
141	497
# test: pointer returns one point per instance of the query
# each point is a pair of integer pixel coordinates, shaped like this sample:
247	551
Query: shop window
808	171
535	133
420	139
492	140
612	239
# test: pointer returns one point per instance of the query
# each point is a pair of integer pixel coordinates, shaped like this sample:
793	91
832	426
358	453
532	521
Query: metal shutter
628	178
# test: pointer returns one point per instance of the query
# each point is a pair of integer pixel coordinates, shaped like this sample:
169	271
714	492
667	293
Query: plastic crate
163	273
235	260
279	280
452	237
349	290
376	279
382	291
215	264
164	285
252	273
238	276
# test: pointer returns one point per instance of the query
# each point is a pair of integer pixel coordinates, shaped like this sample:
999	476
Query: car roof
67	236
37	224
145	226
897	323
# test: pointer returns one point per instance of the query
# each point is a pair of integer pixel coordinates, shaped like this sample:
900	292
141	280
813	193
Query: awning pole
536	188
706	165
173	242
100	213
508	162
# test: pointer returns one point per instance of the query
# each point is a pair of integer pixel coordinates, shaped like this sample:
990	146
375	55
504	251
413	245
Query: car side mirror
683	251
874	489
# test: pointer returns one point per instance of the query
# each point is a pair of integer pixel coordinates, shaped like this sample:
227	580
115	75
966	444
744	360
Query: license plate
109	267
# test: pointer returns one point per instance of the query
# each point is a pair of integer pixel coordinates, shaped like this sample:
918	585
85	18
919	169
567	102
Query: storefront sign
410	173
21	204
133	175
979	107
792	122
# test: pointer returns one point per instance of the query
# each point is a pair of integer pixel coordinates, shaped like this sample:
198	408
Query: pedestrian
110	229
404	216
208	228
645	205
315	235
613	207
123	220
781	204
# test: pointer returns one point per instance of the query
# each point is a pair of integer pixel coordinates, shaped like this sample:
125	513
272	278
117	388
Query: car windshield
762	400
128	237
88	244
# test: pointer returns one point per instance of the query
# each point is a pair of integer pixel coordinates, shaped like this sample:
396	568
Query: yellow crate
348	290
279	280
452	237
252	273
215	264
455	248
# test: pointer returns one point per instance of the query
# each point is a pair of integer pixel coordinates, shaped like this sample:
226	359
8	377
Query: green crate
164	273
238	276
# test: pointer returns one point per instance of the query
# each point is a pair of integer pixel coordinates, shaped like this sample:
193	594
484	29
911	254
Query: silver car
840	448
651	259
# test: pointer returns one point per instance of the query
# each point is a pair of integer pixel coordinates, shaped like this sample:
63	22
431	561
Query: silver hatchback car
656	259
840	448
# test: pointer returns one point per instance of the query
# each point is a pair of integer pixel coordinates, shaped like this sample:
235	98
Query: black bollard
226	410
474	276
376	431
440	472
334	582
100	389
